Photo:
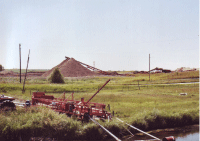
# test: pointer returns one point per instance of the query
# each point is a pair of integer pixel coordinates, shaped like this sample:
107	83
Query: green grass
147	107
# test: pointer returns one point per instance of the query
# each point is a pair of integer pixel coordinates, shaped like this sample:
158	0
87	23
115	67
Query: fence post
109	107
138	85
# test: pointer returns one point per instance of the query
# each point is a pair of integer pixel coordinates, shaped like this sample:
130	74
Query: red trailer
81	109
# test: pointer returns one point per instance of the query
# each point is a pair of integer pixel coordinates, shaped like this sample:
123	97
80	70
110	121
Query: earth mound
71	68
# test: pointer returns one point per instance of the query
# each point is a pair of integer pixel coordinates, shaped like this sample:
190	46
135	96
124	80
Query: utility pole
20	62
93	65
26	72
149	67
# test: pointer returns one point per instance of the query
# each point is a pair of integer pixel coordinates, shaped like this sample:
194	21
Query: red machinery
80	109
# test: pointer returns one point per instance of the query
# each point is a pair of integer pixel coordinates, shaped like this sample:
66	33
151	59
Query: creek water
190	137
187	133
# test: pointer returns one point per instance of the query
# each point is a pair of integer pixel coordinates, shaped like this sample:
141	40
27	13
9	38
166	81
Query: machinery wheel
69	115
86	117
8	106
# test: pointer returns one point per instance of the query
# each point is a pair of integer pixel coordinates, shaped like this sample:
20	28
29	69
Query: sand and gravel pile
71	68
7	73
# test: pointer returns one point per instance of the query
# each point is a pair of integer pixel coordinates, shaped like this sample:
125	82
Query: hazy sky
116	34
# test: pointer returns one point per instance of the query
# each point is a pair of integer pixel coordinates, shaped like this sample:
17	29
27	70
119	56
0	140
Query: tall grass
156	119
43	122
36	122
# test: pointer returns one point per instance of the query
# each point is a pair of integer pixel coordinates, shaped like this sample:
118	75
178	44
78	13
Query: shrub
56	77
1	67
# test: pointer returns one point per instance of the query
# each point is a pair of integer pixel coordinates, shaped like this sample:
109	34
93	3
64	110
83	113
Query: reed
44	122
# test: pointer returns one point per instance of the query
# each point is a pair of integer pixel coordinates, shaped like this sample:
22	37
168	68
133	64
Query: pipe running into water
104	129
138	129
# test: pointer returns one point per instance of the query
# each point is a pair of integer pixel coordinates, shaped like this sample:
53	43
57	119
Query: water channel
187	133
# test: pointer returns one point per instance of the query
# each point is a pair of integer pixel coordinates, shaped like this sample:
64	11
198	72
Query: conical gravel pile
71	68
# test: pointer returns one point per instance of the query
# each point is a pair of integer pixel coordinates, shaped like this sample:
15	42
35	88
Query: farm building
183	69
160	70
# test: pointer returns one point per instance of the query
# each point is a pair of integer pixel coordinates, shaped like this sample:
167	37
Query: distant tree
1	67
56	77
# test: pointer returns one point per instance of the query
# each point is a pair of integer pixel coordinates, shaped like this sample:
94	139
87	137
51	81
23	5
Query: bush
1	67
56	77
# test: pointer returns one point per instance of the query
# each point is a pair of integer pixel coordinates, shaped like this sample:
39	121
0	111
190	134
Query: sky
115	34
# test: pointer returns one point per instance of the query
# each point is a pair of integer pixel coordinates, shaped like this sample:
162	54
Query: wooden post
26	71
138	85
109	107
149	67
20	62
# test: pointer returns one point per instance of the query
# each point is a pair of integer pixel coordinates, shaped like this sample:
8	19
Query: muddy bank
160	133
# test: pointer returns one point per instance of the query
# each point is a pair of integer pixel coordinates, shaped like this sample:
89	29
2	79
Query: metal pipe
104	129
128	131
98	91
138	129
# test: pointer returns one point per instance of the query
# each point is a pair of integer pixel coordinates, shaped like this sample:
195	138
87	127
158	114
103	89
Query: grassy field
145	104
